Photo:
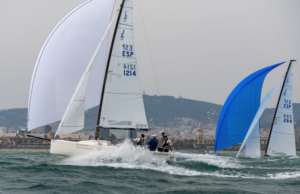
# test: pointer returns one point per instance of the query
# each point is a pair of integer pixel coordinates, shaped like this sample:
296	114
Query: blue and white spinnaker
239	109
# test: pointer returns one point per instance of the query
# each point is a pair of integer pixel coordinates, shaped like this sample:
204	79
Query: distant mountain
166	108
13	118
160	110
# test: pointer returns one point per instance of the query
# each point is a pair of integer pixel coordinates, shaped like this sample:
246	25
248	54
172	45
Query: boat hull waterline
91	147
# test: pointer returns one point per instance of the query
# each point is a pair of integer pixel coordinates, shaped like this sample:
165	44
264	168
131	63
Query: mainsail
239	109
122	105
63	59
251	143
282	135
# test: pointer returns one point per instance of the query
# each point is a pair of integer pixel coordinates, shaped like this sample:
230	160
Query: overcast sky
201	49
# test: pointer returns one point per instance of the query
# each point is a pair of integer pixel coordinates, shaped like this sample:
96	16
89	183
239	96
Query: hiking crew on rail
140	141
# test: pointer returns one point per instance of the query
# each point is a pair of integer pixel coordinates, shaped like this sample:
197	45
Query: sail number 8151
129	70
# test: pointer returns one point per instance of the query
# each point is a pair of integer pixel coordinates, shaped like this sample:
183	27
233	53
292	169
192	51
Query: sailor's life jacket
141	142
167	144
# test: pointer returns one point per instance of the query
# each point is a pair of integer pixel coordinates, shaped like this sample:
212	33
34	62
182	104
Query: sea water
132	170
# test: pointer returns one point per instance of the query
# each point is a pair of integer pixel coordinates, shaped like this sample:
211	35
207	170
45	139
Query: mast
106	71
291	61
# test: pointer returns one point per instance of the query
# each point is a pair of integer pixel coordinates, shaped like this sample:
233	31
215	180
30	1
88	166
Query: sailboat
121	101
281	140
282	135
242	111
235	118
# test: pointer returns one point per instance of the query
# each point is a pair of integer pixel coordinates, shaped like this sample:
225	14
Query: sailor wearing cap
163	133
153	143
167	144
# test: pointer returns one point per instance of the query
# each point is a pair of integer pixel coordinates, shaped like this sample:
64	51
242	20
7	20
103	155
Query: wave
210	159
128	156
285	175
225	162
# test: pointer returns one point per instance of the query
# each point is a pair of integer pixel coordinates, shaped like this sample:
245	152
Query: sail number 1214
129	70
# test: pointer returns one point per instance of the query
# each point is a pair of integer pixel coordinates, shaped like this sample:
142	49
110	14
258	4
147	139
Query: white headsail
73	119
251	143
282	135
64	58
122	105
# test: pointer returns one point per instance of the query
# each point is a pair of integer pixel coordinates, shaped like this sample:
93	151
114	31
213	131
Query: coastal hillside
160	110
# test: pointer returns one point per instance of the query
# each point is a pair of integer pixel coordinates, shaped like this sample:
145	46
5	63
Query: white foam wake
210	159
233	162
284	175
128	156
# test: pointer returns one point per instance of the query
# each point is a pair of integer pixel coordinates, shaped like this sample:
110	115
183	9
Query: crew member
97	133
163	133
140	141
153	143
167	144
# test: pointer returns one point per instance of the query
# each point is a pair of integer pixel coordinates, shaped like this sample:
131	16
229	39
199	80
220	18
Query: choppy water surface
127	171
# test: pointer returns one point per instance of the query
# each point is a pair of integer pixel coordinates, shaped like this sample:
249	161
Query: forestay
282	134
251	143
123	105
64	58
239	109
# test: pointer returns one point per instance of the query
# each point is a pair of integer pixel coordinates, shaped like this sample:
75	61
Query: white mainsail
282	134
122	105
251	143
63	59
73	119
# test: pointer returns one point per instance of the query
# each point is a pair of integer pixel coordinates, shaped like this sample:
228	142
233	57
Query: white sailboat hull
91	147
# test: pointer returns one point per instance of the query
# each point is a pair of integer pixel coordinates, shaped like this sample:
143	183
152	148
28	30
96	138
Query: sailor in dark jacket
153	143
140	141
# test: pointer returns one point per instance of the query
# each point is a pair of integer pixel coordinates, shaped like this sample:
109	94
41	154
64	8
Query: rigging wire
148	46
298	71
91	116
